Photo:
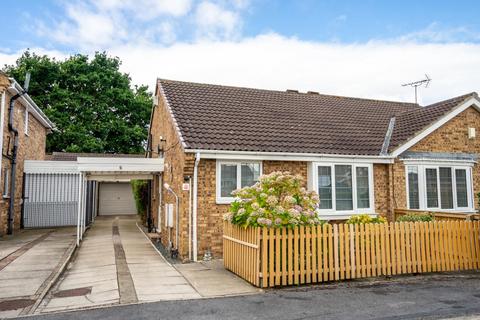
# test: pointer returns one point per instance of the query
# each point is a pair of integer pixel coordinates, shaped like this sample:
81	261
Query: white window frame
422	188
25	129
342	214
238	163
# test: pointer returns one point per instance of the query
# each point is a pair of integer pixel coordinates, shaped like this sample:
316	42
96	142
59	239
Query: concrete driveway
30	262
116	264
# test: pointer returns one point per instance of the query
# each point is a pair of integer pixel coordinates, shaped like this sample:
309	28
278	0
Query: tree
93	104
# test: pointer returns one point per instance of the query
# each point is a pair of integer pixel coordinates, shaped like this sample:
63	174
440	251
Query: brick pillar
391	194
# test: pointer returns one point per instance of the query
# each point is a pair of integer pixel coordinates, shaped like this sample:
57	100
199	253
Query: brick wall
31	147
381	186
174	174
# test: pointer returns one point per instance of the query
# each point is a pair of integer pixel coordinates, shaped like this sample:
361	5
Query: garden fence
268	257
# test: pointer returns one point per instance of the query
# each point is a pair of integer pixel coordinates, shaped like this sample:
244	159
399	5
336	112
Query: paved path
211	279
420	297
115	264
30	261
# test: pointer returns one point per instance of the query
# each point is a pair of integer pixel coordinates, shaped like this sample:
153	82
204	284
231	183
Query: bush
414	217
276	200
140	193
365	218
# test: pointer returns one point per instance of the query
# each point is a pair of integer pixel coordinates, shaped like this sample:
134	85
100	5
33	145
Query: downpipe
13	159
174	251
13	162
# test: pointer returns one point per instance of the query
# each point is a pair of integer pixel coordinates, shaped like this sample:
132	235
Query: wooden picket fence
268	257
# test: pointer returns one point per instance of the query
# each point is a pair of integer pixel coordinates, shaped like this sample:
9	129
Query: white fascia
169	108
471	102
252	155
30	105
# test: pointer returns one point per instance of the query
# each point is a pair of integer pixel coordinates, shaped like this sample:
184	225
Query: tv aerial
425	82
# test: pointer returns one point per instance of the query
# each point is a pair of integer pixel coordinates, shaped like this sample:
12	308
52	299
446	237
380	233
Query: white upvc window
26	122
233	175
439	187
344	189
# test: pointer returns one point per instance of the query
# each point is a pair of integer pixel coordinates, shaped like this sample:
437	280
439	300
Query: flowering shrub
365	218
276	200
414	217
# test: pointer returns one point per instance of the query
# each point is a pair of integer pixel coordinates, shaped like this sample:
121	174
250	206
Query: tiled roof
409	124
213	117
71	156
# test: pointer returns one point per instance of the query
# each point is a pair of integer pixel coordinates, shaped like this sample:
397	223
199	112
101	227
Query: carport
61	193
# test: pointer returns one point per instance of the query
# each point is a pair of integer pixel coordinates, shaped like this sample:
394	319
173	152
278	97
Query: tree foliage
93	104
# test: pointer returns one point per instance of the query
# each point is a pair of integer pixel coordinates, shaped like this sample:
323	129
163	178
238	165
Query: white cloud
435	33
100	24
146	9
370	70
215	22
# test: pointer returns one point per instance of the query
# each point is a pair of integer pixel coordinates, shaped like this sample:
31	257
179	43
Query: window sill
458	211
224	201
343	216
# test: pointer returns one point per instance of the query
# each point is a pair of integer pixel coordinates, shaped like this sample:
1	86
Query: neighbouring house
32	127
360	155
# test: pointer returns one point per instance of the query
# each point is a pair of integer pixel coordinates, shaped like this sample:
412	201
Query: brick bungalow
32	126
360	155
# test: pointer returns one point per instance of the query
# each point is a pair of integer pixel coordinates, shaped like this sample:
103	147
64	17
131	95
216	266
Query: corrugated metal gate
51	200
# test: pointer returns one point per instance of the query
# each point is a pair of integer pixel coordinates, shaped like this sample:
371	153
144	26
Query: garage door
116	199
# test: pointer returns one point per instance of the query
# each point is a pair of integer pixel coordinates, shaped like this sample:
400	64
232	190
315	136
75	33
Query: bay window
344	188
233	175
439	187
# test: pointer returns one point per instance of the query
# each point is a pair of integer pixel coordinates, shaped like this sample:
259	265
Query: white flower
290	199
272	200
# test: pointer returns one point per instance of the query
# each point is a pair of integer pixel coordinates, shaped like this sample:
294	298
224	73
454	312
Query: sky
355	48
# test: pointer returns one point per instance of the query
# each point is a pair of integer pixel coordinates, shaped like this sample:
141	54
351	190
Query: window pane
250	174
325	187
446	193
413	197
461	183
343	187
363	192
228	179
432	187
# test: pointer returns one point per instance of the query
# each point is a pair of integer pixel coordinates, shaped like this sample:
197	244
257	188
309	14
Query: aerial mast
417	84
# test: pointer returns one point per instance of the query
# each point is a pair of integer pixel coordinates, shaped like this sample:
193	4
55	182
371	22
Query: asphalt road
412	297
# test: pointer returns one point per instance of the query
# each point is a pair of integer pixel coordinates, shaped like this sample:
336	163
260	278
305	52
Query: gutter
35	109
257	155
194	211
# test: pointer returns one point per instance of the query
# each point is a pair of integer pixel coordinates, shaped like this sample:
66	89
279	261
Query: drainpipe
174	252
149	206
194	211
190	218
13	160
